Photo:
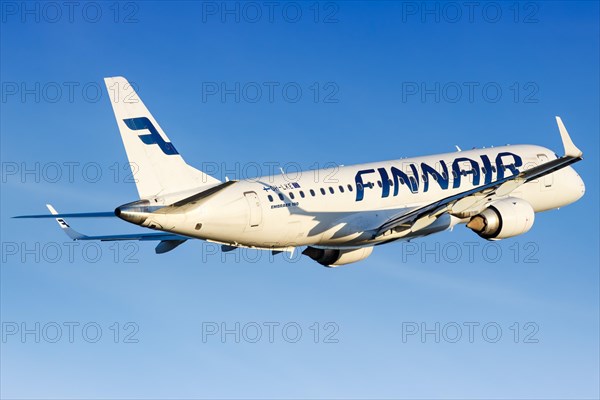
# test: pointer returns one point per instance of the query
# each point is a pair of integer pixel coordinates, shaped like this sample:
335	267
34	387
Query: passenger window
291	195
390	182
312	193
331	190
301	194
323	191
341	189
280	196
349	187
270	198
379	183
359	186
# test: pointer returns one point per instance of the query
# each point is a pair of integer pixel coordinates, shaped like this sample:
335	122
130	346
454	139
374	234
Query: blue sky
352	82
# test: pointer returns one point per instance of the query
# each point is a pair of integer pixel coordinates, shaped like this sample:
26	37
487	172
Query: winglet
570	149
72	233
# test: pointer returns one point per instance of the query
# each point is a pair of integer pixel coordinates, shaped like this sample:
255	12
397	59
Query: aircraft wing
421	217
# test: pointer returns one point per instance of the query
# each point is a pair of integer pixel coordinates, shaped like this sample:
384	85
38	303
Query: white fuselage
341	207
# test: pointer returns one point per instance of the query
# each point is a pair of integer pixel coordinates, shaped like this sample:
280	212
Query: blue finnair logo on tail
137	124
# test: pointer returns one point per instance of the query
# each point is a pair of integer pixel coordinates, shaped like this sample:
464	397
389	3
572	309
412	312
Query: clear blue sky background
370	53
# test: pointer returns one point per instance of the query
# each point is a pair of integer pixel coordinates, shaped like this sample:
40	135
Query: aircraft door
255	211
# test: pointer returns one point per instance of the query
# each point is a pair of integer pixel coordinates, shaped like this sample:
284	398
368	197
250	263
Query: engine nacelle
503	219
337	257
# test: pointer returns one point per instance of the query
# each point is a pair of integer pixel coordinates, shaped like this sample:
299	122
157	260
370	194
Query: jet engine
337	257
503	219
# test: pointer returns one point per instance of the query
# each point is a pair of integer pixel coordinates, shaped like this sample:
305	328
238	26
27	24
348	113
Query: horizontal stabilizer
73	234
102	214
167	245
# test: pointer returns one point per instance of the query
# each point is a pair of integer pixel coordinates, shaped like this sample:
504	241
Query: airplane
334	220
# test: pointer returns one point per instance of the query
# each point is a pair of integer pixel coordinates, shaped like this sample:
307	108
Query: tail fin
157	166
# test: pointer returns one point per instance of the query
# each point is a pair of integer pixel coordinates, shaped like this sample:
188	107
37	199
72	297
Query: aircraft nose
581	185
576	186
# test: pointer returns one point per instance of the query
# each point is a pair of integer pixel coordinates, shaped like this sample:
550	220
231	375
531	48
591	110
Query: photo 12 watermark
326	92
91	172
270	332
270	12
52	92
68	172
470	92
69	252
471	252
70	332
470	12
470	332
53	12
